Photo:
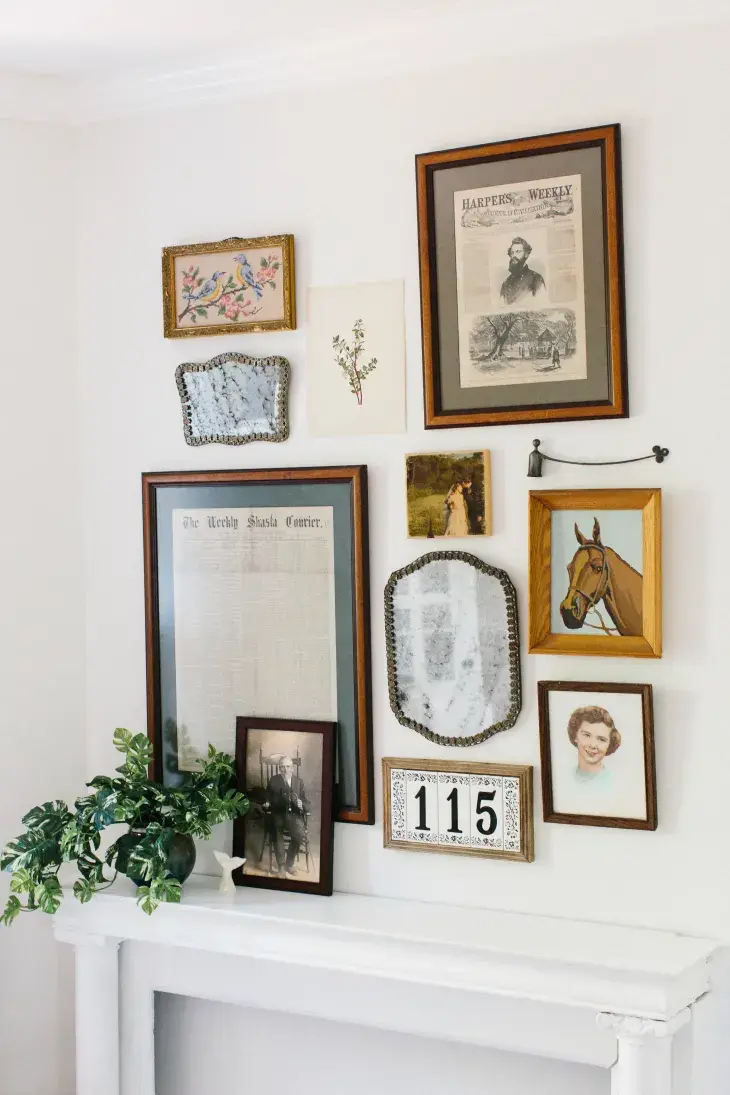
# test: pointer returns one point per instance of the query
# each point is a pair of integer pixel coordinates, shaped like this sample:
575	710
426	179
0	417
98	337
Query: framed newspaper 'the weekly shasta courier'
256	595
522	298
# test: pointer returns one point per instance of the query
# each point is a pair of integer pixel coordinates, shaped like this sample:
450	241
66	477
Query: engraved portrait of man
521	281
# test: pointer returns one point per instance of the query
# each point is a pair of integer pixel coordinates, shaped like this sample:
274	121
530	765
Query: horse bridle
599	593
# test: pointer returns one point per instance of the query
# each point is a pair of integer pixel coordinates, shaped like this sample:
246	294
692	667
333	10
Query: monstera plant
156	851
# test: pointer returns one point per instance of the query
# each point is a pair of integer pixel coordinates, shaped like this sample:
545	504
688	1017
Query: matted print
468	808
449	494
257	600
522	308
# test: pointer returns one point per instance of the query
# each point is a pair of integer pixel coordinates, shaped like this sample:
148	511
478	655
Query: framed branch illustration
257	601
522	298
596	572
229	287
356	360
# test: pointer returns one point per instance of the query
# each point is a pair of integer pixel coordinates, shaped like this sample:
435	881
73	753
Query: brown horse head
588	576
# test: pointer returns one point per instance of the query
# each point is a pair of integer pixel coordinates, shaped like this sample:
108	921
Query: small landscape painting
229	287
597	572
448	494
356	360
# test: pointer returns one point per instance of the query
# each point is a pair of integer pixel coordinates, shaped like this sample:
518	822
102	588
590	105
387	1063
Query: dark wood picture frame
614	404
542	640
244	724
362	811
544	688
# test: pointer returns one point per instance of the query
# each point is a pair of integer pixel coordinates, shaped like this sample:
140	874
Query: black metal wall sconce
534	467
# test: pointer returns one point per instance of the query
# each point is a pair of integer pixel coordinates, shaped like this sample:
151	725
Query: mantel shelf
644	973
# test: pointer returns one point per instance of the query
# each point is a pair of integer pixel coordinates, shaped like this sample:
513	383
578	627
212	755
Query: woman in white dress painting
457	514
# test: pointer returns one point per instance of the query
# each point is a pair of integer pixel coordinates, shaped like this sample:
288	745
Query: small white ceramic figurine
228	864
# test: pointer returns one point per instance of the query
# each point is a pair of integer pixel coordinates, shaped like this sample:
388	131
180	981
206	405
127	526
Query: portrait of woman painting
595	572
597	752
448	494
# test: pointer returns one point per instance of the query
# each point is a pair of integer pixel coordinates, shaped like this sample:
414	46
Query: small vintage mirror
453	648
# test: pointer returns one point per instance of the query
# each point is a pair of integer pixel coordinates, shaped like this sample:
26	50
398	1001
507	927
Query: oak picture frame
541	638
446	404
550	814
523	773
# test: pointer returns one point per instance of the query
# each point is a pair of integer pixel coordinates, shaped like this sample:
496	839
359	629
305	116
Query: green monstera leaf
33	850
12	909
155	814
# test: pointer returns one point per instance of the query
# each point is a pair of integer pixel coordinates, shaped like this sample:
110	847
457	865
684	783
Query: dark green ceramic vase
180	855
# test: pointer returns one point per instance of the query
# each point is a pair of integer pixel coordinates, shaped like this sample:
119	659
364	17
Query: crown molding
469	31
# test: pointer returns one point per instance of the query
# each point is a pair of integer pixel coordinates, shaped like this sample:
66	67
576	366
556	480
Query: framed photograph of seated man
285	767
257	601
522	296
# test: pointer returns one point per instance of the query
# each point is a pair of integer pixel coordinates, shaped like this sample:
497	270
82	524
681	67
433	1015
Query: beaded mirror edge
281	418
513	646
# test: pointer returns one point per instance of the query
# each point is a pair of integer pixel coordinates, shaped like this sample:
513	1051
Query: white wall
41	621
255	1050
335	167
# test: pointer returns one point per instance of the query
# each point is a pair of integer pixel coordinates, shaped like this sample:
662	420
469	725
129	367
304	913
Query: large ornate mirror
453	648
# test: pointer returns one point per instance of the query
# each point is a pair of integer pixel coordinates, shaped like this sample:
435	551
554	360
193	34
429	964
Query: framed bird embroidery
229	287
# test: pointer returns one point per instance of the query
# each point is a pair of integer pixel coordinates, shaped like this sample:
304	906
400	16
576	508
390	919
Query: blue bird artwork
244	273
211	288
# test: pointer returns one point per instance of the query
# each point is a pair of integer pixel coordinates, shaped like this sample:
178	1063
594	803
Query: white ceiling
83	60
94	38
85	37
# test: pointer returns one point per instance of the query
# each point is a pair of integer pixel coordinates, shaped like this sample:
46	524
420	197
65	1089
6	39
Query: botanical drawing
235	296
598	573
348	356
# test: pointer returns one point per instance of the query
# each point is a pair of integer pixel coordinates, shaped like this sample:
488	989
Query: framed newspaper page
256	592
522	296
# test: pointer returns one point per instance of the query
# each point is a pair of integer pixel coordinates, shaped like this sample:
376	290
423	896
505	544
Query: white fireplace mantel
598	994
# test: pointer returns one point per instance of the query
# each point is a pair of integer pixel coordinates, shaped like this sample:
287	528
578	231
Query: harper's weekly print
519	266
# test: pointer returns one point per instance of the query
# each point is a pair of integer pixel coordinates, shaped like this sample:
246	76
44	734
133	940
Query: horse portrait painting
599	576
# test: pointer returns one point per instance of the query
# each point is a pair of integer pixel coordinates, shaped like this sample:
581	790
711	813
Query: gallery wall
42	617
335	167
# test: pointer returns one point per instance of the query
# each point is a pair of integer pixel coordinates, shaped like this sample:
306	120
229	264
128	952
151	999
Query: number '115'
482	807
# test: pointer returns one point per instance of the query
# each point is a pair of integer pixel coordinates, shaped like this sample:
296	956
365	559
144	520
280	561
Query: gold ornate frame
235	243
544	641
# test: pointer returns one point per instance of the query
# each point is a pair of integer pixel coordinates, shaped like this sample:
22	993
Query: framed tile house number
460	807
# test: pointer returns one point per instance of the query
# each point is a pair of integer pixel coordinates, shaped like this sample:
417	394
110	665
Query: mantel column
97	1011
644	1064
